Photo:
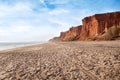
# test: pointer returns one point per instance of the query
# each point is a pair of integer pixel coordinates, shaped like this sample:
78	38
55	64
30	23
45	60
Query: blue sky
40	20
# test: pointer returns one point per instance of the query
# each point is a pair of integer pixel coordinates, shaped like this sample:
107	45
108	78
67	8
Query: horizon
41	20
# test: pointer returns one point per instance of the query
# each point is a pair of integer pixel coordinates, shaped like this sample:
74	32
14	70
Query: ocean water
10	45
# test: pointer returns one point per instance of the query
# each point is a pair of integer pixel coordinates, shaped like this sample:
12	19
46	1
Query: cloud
42	1
18	8
58	22
36	20
59	1
58	11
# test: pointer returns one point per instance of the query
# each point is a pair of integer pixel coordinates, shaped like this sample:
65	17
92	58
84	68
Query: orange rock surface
72	34
92	26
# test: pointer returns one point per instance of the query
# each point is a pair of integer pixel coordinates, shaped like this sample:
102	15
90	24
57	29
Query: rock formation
72	34
93	26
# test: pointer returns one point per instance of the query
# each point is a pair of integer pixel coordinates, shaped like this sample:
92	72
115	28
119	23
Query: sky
41	20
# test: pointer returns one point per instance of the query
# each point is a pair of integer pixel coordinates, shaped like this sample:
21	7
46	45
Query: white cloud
22	6
3	32
42	1
59	1
26	33
14	29
22	24
58	11
19	22
21	28
60	23
18	8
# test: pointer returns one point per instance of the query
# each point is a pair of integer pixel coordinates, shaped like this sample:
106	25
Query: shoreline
79	42
20	46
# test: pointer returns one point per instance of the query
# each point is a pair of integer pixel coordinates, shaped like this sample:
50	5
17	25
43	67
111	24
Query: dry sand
62	61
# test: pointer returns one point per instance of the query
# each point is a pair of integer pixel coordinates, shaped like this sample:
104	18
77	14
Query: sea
10	45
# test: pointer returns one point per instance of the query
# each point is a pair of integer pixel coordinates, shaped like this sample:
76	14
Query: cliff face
93	26
99	24
72	34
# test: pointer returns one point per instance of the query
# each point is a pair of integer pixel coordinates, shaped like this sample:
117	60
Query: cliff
72	34
93	27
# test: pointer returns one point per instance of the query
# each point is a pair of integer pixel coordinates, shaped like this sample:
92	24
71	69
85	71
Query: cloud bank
40	20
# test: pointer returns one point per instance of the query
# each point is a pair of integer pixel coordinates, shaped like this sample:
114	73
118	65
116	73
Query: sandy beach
62	61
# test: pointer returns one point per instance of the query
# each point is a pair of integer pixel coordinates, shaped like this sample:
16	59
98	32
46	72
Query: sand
62	61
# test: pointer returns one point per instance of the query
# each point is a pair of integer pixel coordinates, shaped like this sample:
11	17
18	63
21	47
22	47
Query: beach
12	45
62	61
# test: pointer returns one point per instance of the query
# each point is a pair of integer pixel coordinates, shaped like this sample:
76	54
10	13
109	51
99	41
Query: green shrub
112	33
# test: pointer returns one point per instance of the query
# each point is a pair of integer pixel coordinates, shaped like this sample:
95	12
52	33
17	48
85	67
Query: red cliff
72	34
92	27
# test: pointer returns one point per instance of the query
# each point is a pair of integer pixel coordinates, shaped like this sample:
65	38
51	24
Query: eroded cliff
72	34
93	27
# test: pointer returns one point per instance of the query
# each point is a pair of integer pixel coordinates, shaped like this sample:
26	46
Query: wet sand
62	61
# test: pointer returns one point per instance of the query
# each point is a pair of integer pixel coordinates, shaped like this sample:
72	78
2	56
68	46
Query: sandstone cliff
93	27
72	34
